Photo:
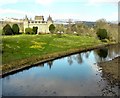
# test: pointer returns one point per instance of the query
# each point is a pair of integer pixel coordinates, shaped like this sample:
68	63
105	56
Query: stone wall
42	27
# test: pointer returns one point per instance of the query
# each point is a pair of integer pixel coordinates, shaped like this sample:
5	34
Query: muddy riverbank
110	70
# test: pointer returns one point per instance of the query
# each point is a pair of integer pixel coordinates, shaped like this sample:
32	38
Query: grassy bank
25	50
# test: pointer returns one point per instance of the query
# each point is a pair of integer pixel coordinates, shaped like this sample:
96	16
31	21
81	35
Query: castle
43	26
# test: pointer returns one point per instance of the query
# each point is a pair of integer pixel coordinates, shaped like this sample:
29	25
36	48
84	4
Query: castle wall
42	27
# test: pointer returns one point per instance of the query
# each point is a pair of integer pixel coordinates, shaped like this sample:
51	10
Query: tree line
101	29
8	30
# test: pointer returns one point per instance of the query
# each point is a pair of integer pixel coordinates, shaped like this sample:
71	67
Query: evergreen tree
7	30
15	28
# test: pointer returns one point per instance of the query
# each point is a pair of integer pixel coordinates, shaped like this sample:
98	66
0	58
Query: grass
23	46
31	48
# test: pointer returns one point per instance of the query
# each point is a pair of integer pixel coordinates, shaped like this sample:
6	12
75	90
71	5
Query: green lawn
22	50
24	46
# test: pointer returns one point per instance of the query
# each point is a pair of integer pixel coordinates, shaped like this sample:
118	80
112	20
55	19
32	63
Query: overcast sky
84	10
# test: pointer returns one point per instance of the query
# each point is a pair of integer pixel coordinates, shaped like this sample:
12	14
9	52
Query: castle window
32	22
35	21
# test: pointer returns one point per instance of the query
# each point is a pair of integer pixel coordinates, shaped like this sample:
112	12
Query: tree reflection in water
107	53
101	54
113	50
70	60
79	58
87	54
50	63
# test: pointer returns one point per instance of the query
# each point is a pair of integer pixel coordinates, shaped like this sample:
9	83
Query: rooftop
40	18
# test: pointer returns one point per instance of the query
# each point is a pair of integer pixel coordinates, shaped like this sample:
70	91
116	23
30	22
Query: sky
84	10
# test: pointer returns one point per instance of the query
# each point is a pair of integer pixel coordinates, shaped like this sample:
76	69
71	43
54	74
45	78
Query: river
74	75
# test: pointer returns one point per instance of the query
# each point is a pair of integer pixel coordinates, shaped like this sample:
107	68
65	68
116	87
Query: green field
23	46
18	50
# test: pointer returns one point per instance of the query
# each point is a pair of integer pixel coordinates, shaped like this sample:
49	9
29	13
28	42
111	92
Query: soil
110	70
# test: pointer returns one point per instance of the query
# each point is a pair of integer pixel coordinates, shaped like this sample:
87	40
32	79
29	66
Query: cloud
80	1
7	11
102	1
84	16
44	2
4	2
56	14
114	15
13	12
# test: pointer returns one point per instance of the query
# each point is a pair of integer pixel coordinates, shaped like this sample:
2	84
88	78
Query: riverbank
110	70
24	51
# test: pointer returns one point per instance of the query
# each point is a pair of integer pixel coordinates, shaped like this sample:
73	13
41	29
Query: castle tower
26	23
49	20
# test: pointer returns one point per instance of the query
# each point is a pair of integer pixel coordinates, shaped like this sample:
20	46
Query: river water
74	75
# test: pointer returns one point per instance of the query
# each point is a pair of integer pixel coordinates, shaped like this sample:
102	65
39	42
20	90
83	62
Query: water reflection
107	53
70	60
75	75
50	63
114	51
79	58
102	53
0	88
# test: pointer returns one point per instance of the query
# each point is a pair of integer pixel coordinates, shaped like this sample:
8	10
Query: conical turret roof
26	18
50	18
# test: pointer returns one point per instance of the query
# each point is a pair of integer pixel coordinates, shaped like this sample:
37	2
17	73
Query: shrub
15	28
52	28
29	31
102	34
7	30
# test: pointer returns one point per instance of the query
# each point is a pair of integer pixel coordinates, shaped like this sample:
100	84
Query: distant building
43	26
